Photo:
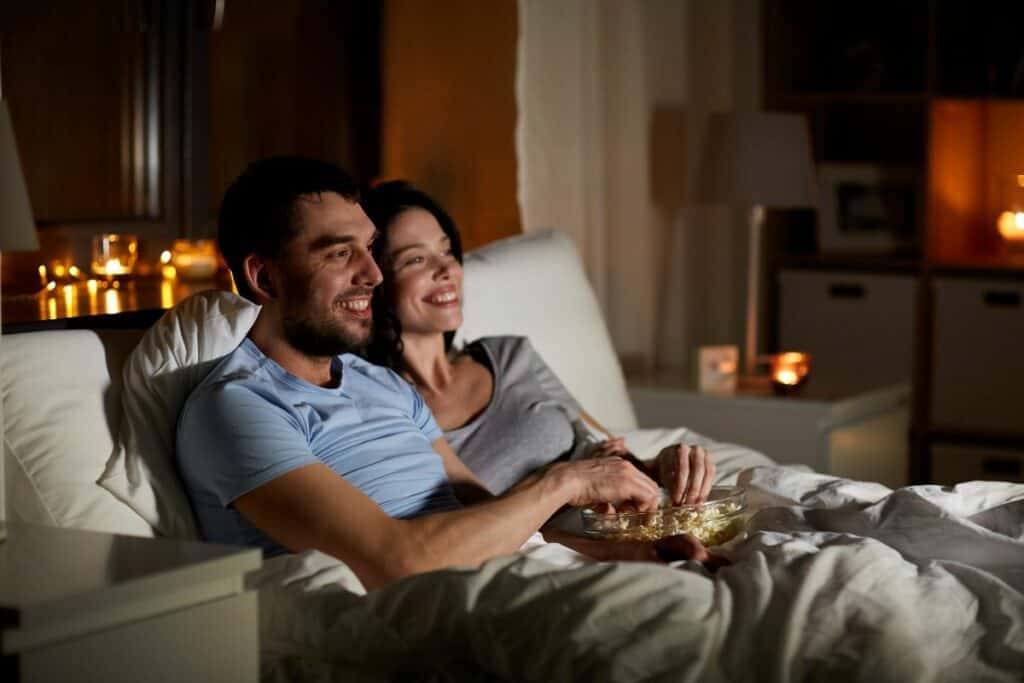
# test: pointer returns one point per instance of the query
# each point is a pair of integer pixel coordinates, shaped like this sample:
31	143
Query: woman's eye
415	260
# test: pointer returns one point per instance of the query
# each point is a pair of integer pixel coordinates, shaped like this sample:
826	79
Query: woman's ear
258	277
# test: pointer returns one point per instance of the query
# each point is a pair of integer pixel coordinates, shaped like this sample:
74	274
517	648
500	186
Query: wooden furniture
860	435
87	606
135	303
929	88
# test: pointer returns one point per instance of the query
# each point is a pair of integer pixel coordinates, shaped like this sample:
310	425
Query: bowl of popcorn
714	522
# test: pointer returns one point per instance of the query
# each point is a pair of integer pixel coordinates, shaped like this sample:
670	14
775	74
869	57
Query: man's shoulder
239	374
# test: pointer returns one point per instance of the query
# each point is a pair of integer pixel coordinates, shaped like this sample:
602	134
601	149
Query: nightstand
87	606
860	435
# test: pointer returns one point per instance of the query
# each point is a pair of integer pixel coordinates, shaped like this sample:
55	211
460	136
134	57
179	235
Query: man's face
327	276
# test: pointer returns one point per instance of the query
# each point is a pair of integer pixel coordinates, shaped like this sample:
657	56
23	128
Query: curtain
613	97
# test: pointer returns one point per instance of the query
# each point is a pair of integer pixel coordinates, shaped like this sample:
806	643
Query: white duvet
835	580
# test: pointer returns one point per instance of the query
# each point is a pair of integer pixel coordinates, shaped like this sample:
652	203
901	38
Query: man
293	443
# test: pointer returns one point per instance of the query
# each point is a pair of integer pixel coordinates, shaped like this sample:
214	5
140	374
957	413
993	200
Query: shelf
812	97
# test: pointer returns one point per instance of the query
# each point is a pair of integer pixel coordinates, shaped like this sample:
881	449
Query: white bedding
836	579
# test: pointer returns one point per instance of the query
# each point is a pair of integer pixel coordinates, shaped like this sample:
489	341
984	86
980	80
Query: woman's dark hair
256	216
383	204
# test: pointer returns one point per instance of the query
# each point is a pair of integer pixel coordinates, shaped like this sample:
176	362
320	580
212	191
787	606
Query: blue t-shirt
250	420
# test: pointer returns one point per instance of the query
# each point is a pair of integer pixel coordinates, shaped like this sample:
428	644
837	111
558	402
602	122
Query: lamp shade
17	229
757	158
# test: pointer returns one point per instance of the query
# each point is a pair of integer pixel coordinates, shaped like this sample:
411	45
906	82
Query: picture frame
868	208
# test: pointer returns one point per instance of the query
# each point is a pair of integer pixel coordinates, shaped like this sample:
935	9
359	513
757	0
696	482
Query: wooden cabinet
977	368
858	327
952	464
935	90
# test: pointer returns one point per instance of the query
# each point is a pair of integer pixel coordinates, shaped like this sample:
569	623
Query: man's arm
469	489
313	507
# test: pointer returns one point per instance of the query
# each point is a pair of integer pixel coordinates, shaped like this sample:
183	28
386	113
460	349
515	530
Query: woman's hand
686	472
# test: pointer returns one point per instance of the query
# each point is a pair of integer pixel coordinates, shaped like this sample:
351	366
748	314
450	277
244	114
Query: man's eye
340	253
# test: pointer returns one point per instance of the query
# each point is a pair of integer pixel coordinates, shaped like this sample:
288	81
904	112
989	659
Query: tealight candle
789	371
194	260
114	255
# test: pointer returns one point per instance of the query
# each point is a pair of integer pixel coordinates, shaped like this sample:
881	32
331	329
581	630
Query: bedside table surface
41	566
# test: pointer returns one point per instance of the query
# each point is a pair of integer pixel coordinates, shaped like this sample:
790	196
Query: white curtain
613	98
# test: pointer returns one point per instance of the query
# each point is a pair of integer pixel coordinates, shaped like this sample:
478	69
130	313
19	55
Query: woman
503	411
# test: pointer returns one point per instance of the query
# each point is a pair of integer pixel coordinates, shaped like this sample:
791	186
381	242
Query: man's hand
686	472
607	480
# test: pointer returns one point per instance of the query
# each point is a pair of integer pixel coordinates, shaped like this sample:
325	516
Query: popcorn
712	523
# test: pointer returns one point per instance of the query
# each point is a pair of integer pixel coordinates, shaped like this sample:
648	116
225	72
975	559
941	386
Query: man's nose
369	274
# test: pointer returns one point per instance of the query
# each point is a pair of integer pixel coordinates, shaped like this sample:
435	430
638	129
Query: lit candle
1011	226
789	370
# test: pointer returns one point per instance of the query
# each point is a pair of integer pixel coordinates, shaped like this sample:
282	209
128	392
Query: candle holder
789	372
114	255
194	259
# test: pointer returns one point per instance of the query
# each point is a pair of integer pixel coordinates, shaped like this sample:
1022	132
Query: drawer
978	355
858	328
954	464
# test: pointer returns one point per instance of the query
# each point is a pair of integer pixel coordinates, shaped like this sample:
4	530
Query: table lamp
17	233
756	160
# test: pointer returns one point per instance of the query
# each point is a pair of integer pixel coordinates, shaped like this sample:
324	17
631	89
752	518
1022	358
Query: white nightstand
859	435
87	606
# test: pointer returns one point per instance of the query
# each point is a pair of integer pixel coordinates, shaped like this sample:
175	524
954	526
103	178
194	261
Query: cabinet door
955	464
978	366
858	328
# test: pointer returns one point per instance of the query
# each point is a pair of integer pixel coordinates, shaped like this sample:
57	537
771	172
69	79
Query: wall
614	97
449	110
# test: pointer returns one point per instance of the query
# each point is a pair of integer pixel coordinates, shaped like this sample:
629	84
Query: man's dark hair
257	214
383	204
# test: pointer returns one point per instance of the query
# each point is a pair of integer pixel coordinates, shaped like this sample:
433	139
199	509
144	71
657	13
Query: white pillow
62	410
170	360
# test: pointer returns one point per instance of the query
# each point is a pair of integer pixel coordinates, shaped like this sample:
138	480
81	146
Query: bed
833	579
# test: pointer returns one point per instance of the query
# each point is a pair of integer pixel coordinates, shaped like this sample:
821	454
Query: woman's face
426	278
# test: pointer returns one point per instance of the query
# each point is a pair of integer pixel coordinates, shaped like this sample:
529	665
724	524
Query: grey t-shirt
531	420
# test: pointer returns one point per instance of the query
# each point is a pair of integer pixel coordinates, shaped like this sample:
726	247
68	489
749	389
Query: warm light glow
42	275
1011	225
787	377
1020	180
92	286
167	294
51	308
790	369
165	256
73	271
168	272
50	286
70	300
194	259
59	270
112	301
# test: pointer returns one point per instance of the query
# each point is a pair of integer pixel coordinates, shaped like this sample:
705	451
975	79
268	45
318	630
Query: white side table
857	435
87	606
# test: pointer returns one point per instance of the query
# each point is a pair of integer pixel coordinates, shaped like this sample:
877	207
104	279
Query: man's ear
258	276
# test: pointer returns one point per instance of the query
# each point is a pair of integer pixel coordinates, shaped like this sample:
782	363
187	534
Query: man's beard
323	337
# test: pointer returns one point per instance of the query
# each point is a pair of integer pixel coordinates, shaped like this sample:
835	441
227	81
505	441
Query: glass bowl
713	522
